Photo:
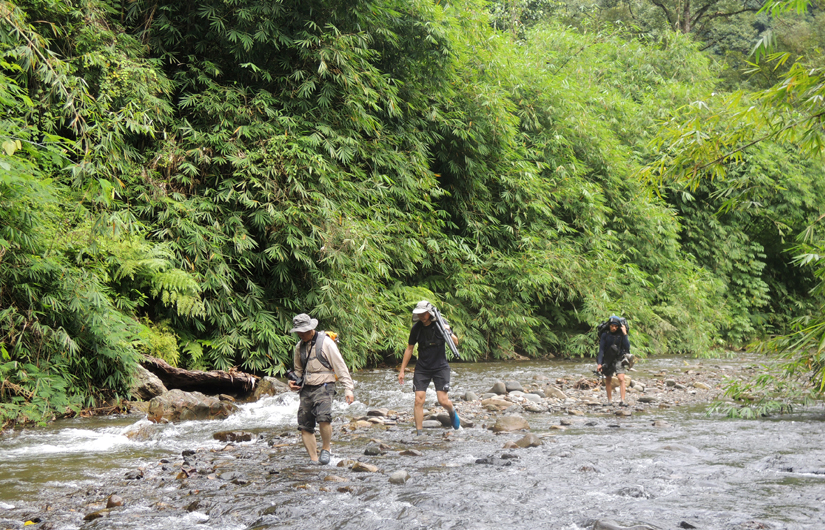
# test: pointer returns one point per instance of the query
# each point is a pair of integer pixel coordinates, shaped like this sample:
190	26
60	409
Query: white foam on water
69	441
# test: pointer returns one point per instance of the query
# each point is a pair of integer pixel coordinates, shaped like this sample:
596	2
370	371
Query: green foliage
183	178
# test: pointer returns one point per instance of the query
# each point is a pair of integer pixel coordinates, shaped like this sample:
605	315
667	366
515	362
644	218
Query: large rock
529	440
498	388
495	404
554	392
513	386
399	477
510	424
177	405
146	385
268	386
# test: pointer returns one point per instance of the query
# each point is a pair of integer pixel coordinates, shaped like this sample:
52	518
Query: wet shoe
323	458
454	419
623	404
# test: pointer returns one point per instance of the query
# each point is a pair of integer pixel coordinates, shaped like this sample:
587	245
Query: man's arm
404	361
340	369
600	357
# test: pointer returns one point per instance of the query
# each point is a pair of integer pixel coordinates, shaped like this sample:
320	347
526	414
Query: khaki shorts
316	406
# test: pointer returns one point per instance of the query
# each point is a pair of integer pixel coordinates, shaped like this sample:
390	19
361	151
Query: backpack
319	352
604	327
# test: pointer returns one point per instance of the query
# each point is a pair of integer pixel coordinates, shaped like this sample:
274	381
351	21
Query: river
669	468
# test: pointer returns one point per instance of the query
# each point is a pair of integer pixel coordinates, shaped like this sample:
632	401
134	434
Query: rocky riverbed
503	468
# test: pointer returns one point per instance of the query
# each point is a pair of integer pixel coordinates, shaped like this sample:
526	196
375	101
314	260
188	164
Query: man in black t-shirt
431	365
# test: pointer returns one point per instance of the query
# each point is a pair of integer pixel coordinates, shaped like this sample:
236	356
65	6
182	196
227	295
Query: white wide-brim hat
420	308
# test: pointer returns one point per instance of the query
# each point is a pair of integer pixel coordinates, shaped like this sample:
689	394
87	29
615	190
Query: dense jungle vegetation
180	178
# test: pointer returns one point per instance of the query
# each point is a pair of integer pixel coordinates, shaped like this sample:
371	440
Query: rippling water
699	471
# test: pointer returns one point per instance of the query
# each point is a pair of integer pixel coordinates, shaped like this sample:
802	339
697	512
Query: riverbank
250	471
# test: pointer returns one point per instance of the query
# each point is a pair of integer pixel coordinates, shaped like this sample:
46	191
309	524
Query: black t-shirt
431	346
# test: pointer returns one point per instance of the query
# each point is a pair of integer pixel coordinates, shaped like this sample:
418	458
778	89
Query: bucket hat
302	323
420	308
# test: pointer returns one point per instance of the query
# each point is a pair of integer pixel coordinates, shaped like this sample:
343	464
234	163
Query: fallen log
212	382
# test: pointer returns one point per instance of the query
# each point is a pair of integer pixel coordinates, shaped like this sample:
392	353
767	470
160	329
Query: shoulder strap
319	351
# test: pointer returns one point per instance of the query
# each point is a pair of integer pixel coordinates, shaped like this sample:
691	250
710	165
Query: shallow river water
689	470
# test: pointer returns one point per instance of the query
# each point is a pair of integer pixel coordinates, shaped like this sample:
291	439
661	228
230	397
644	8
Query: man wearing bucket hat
431	365
318	364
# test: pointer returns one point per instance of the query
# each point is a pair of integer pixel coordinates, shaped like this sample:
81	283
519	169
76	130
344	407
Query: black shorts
440	377
609	369
316	406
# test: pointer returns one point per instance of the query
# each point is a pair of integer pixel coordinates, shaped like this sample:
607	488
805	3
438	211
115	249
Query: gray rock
378	412
670	382
510	424
114	500
233	436
373	450
517	394
411	452
637	492
177	405
535	398
646	399
268	386
362	467
539	393
470	396
530	440
513	386
536	407
554	392
146	385
488	395
431	424
444	419
701	386
499	388
399	477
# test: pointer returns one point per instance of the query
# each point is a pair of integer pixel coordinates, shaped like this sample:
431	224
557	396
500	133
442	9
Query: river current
667	468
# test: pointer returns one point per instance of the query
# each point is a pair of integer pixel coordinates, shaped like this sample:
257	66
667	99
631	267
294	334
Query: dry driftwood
212	382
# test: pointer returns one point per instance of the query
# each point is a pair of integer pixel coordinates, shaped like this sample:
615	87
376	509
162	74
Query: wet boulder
529	440
114	500
177	405
268	386
498	388
145	385
363	467
554	392
495	404
513	386
233	436
510	423
399	477
444	419
470	396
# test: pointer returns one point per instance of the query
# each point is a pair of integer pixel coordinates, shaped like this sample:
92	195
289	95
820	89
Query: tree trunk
213	382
